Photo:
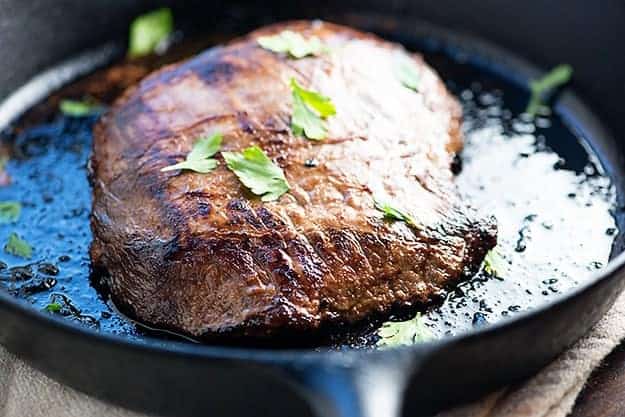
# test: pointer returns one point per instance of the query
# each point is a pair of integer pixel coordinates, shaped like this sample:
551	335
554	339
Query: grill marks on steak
198	254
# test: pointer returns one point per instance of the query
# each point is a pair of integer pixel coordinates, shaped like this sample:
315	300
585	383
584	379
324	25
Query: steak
201	255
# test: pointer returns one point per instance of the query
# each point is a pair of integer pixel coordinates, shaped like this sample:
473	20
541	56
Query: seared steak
199	254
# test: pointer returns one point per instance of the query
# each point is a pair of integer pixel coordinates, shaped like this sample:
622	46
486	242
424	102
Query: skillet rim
479	50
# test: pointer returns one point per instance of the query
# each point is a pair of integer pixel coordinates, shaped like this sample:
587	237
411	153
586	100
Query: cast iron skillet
181	379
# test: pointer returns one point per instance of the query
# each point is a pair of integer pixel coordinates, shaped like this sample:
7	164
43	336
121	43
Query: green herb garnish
53	308
404	333
10	211
494	263
394	213
148	31
18	247
407	72
199	159
257	172
79	108
309	111
292	43
558	76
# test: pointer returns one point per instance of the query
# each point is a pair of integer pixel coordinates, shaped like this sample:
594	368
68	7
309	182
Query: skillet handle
372	387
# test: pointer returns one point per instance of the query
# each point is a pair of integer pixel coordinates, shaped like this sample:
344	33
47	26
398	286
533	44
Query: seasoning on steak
201	255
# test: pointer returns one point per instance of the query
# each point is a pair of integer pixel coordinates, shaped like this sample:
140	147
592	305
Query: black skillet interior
455	369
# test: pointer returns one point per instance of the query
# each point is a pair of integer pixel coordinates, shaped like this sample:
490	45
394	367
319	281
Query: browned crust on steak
200	255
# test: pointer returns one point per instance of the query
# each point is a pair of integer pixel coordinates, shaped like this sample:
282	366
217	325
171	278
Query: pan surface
548	242
490	84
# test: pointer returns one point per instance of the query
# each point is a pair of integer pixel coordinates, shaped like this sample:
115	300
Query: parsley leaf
79	108
199	159
404	333
257	172
292	43
53	308
494	263
305	122
555	78
309	111
18	247
10	211
407	73
202	166
394	213
149	30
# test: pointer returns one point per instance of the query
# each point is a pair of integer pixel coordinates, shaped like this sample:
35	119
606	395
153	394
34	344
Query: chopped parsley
257	172
199	159
404	333
19	247
79	108
148	31
293	44
555	78
309	111
53	308
407	73
394	213
10	211
494	263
